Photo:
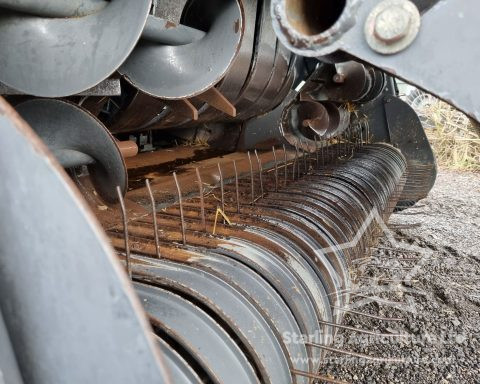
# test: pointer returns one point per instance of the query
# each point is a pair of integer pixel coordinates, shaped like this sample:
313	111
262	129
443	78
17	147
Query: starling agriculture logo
369	288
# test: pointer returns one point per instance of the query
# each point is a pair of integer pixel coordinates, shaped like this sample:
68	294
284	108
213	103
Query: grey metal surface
164	32
76	137
279	275
56	57
209	341
70	311
176	72
9	372
262	65
179	369
55	8
229	302
108	87
265	296
446	50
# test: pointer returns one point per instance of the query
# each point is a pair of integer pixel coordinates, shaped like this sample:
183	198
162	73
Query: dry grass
455	139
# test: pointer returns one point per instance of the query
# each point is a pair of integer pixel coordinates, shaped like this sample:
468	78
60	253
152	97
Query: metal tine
276	168
317	376
180	202
402	268
385	280
369	315
316	151
260	172
355	354
404	226
251	177
125	231
295	161
237	193
285	163
202	201
378	299
154	214
400	250
304	154
361	330
222	190
321	147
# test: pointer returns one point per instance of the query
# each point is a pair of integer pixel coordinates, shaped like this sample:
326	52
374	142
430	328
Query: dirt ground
436	293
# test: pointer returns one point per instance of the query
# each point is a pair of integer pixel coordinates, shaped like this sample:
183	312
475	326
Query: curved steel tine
369	315
222	190
260	171
125	230
364	331
154	215
318	377
251	178
355	354
276	168
202	201
180	202
237	193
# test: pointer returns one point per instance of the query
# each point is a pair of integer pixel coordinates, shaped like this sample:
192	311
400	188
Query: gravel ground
436	293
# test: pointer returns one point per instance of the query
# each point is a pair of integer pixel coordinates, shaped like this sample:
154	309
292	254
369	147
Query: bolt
392	24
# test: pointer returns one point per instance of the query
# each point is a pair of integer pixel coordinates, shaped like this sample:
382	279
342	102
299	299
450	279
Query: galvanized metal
182	71
77	138
55	57
64	271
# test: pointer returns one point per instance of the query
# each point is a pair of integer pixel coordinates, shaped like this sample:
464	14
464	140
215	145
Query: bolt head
392	24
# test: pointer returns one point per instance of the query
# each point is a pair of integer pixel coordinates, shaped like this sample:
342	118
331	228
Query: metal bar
276	168
367	314
154	215
237	193
222	190
180	202
316	376
365	331
260	170
355	354
285	163
202	201
125	230
251	178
